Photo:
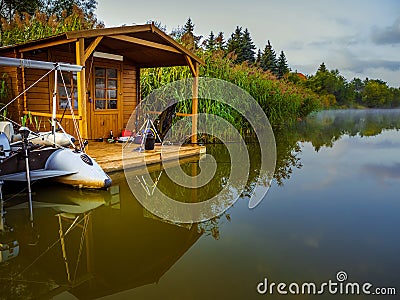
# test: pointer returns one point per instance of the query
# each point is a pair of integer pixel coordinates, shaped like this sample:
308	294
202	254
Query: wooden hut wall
64	53
129	90
13	77
38	97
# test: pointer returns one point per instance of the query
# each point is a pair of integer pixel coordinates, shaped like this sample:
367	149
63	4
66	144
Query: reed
282	101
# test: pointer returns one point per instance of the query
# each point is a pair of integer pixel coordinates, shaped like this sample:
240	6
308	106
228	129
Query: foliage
282	66
281	100
187	37
370	93
25	27
57	7
241	44
220	41
8	8
210	43
268	61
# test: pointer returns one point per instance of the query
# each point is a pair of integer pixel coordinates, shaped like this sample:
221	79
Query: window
106	86
70	88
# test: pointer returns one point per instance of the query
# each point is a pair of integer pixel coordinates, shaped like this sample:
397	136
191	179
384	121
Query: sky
360	38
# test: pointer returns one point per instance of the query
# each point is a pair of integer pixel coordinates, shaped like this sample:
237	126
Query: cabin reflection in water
90	244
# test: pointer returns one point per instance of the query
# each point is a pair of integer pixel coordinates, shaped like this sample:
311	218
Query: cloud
388	35
345	59
381	172
360	66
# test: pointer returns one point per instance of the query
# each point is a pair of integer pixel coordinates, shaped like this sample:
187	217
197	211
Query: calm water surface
333	206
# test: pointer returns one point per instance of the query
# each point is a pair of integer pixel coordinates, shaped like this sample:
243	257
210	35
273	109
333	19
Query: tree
188	38
210	42
268	59
189	26
326	82
282	66
25	27
322	68
357	86
258	58
57	7
234	44
242	45
8	8
248	47
220	41
375	94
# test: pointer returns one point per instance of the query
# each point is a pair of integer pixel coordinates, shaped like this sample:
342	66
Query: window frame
106	89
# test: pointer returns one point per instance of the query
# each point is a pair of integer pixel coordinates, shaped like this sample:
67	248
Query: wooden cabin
106	93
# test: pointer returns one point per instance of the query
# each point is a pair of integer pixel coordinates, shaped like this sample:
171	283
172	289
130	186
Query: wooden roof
144	45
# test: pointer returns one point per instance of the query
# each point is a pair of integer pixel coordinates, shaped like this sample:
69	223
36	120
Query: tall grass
282	101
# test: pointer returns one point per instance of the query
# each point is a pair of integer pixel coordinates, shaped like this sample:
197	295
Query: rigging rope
76	126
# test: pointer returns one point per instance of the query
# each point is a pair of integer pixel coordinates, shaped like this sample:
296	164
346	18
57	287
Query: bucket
150	141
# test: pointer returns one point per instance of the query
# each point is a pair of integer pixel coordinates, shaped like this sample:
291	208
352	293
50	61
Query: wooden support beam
59	116
195	102
153	112
107	31
191	66
134	40
89	50
81	82
46	45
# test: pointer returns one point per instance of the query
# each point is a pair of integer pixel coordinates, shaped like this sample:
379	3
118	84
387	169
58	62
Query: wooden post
195	102
24	84
80	60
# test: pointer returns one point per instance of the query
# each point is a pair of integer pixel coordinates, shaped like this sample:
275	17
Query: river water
332	211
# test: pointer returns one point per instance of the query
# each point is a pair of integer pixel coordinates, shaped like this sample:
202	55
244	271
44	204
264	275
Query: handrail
41	114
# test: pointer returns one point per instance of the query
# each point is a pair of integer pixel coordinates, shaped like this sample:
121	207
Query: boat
29	156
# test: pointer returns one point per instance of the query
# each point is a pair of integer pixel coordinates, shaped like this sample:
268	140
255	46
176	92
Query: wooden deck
109	156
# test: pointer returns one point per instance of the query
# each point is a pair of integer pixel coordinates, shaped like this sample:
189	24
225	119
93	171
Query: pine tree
248	47
188	38
189	26
211	45
234	44
282	66
220	41
241	43
268	59
258	59
322	68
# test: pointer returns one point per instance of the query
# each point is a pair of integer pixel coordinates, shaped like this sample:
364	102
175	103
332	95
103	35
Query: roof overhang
144	45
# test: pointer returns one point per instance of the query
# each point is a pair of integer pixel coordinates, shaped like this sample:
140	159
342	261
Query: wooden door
105	101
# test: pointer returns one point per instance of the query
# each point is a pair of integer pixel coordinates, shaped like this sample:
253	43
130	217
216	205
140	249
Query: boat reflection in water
89	244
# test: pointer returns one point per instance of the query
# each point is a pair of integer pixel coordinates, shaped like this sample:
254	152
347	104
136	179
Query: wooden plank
89	50
37	107
144	43
42	114
46	45
81	82
190	65
107	31
159	112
